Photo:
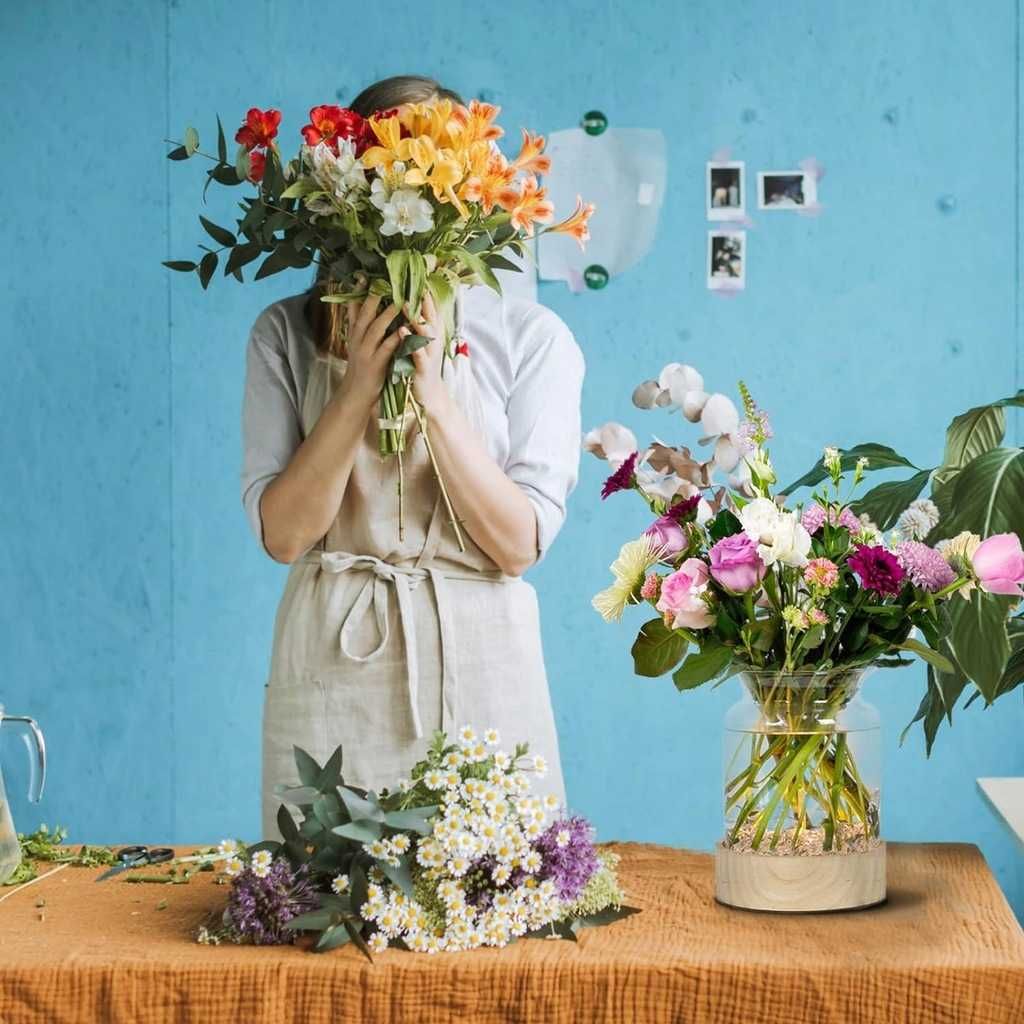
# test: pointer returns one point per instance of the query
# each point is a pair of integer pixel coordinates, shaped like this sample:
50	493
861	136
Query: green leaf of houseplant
879	456
969	435
979	640
657	649
987	496
702	665
216	232
934	658
398	270
886	502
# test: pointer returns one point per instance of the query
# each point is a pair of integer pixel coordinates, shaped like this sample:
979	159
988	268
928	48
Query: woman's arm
493	507
300	503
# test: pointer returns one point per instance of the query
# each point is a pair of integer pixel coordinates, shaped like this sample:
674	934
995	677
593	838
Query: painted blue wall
137	608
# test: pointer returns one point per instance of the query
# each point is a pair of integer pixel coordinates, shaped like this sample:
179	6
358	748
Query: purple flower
924	565
668	535
735	563
568	856
622	478
813	517
684	511
877	569
258	908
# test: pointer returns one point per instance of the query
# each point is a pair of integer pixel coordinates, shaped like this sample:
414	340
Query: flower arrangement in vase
801	602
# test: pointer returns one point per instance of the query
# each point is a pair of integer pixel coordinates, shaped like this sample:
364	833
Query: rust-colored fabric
945	948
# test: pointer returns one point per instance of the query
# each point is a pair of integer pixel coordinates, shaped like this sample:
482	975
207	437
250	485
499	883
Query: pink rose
681	596
667	532
735	563
999	563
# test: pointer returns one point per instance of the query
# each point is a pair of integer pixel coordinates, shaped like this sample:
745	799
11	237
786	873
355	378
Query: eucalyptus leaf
361	808
330	775
360	831
657	649
216	232
400	874
207	266
308	768
334	936
191	140
300	796
413	819
286	824
222	145
312	920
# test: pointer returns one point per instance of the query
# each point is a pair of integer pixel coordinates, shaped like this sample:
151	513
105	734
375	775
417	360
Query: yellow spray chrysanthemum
629	570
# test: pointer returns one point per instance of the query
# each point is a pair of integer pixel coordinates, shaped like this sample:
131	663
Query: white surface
1007	799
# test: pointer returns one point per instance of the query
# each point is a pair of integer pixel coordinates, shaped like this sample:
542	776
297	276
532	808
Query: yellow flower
629	570
437	167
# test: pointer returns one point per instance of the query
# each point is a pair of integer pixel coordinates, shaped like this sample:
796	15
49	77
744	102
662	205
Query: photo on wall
727	260
726	190
786	190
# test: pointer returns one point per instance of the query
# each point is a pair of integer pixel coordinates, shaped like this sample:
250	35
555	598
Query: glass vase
802	787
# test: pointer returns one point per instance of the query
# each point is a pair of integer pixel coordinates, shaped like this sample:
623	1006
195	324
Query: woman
378	642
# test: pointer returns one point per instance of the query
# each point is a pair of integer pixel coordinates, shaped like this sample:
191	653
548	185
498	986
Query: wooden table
945	948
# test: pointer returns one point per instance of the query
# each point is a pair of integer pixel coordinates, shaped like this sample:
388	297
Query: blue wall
137	608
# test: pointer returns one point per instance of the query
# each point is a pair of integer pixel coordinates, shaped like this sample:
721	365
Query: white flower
377	942
869	531
400	842
658	485
467	734
228	847
780	535
433	779
719	416
491	737
831	460
540	765
233	866
918	519
260	863
339	884
612	441
406	212
562	837
550	801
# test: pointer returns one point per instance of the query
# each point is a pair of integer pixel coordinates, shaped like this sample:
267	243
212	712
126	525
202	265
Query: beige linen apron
380	642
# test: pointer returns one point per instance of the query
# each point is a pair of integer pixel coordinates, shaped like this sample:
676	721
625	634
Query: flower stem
421	420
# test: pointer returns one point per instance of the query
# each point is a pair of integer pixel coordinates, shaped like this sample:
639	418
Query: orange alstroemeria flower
532	207
490	180
576	223
476	122
531	157
260	128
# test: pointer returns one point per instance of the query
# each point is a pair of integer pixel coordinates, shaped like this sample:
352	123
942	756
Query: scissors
135	856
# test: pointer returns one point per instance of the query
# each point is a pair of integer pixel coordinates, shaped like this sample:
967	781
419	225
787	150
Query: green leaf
300	796
182	265
217	233
243	163
308	768
934	658
280	259
241	255
987	496
191	140
417	280
441	289
330	775
498	262
400	875
178	153
475	264
979	639
207	266
286	823
361	831
328	811
312	920
414	819
929	711
361	808
398	272
355	930
607	916
222	145
702	665
224	174
969	435
887	502
657	649
334	936
725	524
879	456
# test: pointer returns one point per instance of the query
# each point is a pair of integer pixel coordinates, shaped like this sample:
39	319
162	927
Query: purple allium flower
622	478
813	518
924	565
877	569
259	907
569	858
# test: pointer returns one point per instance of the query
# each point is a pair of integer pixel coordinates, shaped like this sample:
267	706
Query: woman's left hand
428	385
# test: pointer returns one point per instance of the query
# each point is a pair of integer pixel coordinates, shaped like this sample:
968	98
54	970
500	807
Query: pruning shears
135	856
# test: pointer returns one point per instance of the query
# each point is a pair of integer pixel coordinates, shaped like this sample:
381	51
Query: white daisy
339	884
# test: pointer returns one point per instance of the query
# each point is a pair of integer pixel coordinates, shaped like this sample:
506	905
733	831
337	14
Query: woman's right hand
369	346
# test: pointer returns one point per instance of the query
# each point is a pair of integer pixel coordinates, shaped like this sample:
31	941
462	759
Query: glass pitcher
10	851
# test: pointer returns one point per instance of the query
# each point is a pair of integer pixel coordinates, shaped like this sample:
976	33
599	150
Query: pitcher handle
37	765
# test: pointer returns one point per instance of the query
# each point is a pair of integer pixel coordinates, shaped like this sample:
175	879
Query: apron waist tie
374	595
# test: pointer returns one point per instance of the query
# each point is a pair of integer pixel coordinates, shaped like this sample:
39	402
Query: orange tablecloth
945	947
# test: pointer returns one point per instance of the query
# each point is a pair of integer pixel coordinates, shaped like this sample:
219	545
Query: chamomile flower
530	861
339	884
378	849
401	842
540	765
434	779
550	802
491	737
562	837
228	848
377	942
260	863
467	734
233	866
502	760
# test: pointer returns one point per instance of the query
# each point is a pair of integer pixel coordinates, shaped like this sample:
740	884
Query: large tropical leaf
879	456
887	502
978	639
988	496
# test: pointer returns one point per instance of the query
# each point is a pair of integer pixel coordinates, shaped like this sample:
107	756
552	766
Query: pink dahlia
924	565
813	518
877	569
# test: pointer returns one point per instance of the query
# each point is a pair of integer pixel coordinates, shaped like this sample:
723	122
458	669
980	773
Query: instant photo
726	190
727	260
786	190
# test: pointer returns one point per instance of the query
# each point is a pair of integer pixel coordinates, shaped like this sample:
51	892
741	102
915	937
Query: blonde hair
382	95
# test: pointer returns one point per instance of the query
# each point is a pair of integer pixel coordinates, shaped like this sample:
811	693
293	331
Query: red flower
257	164
622	479
685	510
462	349
877	569
260	128
330	122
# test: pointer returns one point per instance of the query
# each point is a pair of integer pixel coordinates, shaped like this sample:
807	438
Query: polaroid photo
786	190
726	190
727	260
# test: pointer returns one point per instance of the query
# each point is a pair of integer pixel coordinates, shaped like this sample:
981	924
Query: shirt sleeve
544	423
271	424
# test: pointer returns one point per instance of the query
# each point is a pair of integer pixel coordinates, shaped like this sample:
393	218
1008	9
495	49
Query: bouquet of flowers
800	599
404	203
459	855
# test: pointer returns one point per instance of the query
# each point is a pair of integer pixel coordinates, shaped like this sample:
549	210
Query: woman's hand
368	348
428	385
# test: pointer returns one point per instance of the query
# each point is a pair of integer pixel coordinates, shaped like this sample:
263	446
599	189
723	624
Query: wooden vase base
800	884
